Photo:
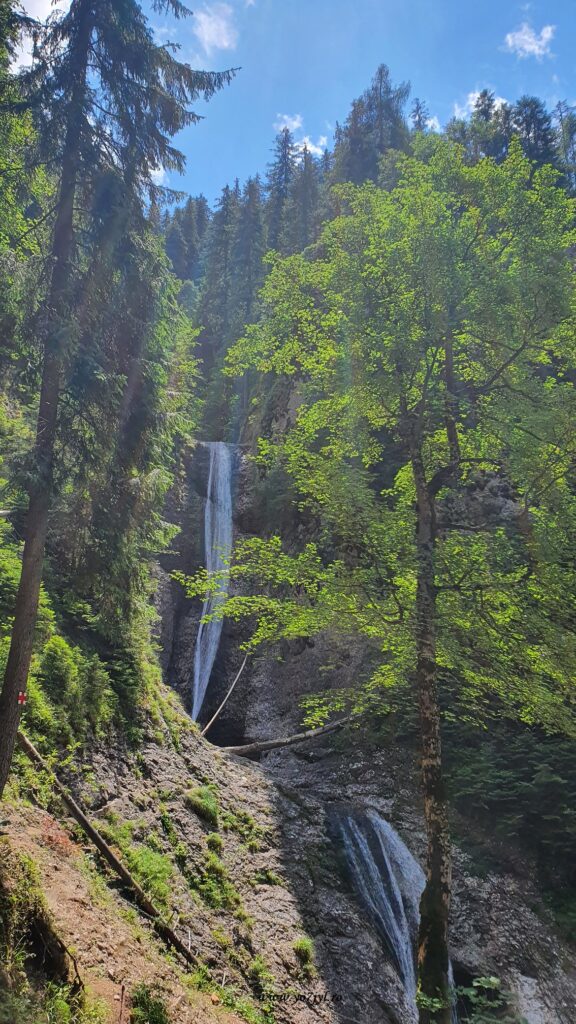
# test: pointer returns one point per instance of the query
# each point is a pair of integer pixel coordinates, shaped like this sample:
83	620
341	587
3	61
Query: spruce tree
177	248
107	101
533	124
280	175
376	123
419	115
249	246
302	206
215	305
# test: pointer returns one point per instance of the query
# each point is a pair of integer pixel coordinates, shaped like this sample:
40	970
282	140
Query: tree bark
433	954
40	491
451	404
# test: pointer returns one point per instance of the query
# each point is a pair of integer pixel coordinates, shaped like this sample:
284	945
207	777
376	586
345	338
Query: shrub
148	1006
214	842
204	801
265	876
304	950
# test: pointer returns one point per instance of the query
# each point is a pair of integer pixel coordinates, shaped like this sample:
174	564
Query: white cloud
159	176
290	121
40	10
295	123
525	42
215	29
249	3
315	148
466	108
433	124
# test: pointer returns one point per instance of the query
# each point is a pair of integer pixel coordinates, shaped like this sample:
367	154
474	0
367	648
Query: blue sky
303	61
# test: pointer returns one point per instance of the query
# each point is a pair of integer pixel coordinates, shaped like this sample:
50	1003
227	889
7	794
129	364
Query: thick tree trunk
40	494
433	955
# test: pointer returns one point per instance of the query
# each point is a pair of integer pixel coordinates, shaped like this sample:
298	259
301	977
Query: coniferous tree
215	308
249	246
177	248
376	123
106	100
302	207
280	175
566	131
419	115
533	125
354	157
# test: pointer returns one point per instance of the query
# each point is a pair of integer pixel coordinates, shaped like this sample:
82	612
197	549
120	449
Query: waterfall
218	547
389	881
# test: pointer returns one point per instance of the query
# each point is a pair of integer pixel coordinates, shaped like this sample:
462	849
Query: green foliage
152	869
204	802
303	948
214	842
244	825
148	1006
213	884
265	876
70	691
21	904
522	784
56	1005
454	251
488	1003
260	976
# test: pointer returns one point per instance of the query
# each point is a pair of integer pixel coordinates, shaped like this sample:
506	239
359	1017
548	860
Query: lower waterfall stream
218	547
389	882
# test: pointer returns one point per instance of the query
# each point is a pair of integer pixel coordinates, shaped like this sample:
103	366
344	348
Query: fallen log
160	926
288	741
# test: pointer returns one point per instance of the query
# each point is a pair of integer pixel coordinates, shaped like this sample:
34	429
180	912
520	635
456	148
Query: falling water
390	882
218	546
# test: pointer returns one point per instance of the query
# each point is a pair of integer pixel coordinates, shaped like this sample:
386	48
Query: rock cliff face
500	926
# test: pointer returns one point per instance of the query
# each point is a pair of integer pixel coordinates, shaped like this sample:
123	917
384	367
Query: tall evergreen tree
249	246
107	100
302	206
419	115
280	175
376	123
215	308
533	125
177	247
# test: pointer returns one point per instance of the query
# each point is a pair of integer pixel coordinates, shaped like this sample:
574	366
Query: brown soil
113	955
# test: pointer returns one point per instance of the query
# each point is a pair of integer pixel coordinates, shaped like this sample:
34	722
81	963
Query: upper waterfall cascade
218	547
390	882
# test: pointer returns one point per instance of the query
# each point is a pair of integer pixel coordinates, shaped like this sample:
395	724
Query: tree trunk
433	955
289	741
40	491
451	404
